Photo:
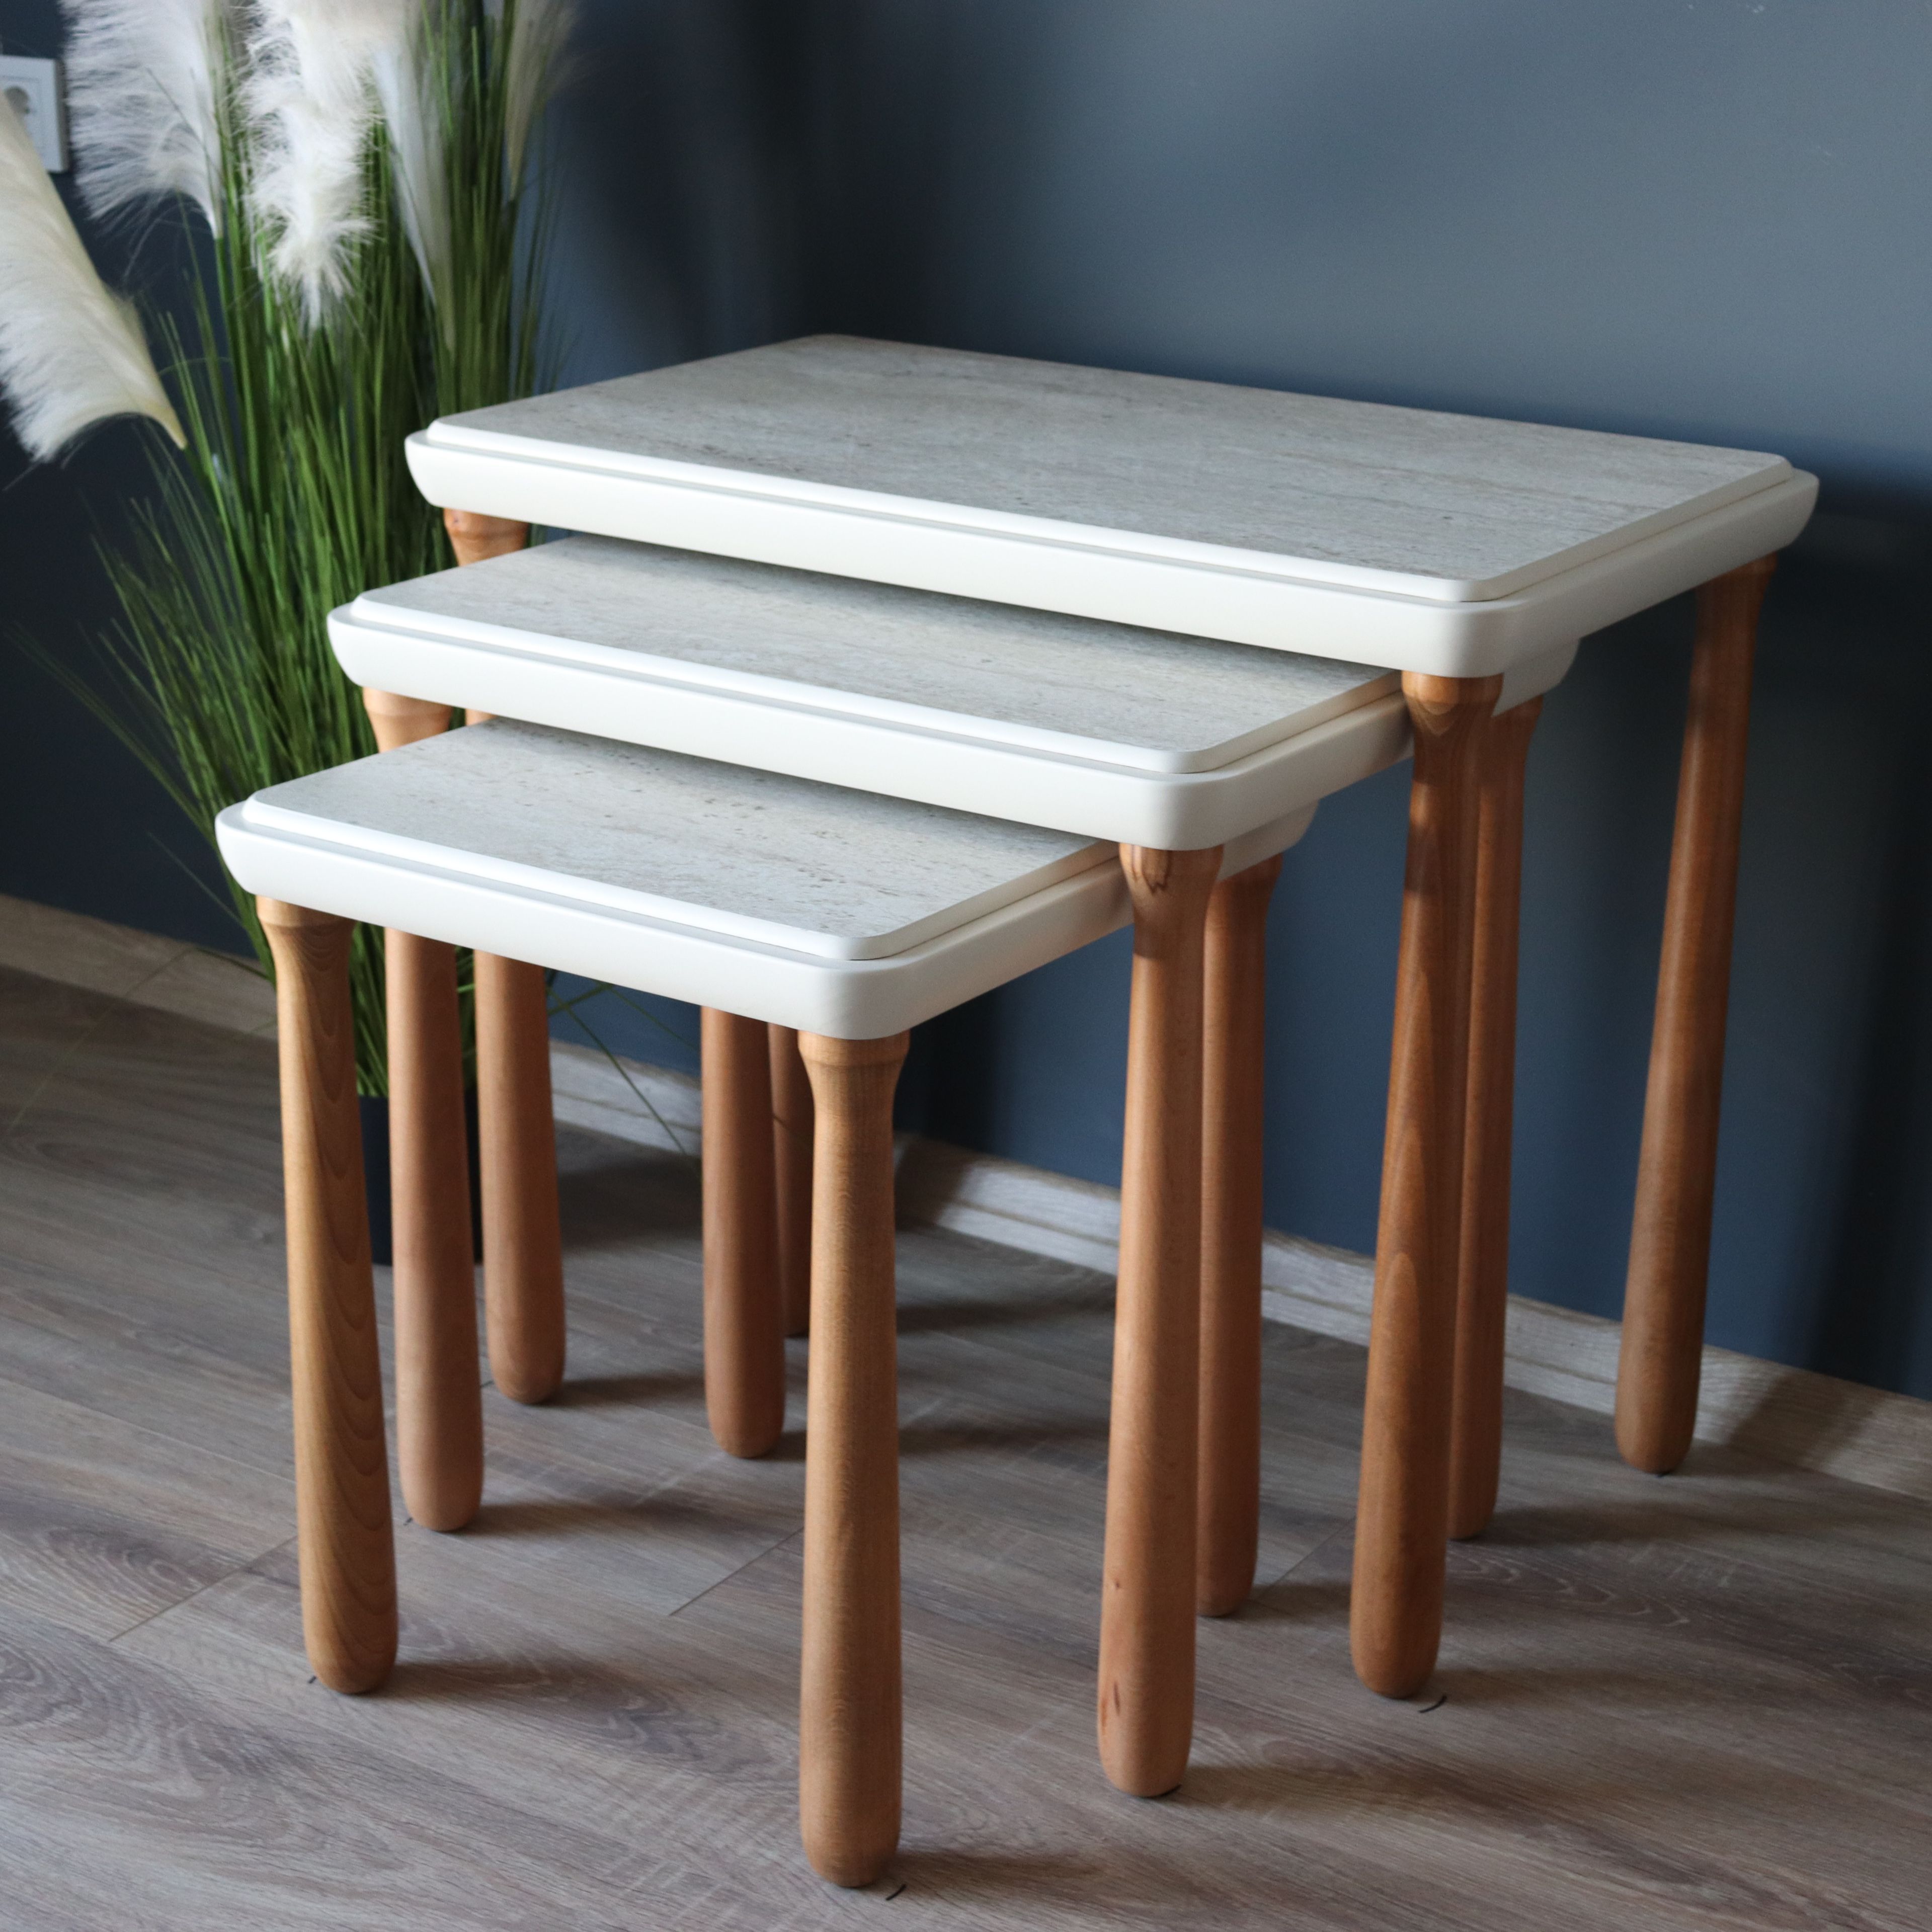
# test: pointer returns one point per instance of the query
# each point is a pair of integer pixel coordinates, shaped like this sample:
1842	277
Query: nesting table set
879	676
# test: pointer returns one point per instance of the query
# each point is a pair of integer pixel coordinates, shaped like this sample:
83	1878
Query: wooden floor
1705	1702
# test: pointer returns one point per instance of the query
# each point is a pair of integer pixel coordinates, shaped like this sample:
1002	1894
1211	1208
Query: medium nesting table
1452	549
1195	757
842	914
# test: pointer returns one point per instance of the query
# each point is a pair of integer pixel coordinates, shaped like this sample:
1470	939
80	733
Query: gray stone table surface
1467	508
815	868
1076	686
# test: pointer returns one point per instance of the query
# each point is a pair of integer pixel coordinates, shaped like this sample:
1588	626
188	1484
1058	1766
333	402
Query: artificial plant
356	176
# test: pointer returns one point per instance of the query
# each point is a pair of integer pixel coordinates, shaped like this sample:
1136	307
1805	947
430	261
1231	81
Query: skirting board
1790	1416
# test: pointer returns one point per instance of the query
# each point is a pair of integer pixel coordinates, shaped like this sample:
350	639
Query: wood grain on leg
523	1248
1402	1518
400	721
476	537
342	1477
1662	1352
523	1244
438	1399
1482	1292
791	1152
1147	1603
744	1330
1234	1002
849	1732
438	1392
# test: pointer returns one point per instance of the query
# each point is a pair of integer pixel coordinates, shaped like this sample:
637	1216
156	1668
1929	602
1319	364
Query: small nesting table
842	914
1452	549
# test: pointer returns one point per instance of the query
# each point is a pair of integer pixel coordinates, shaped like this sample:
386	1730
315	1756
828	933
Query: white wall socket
33	89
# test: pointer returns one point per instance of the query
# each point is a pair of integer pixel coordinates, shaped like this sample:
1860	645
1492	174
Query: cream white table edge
584	687
494	910
1243	596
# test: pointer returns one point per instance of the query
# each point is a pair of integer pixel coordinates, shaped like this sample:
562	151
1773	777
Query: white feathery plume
537	32
142	85
311	96
416	149
71	353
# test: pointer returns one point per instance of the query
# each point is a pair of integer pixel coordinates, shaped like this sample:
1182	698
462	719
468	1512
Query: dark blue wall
1709	220
82	825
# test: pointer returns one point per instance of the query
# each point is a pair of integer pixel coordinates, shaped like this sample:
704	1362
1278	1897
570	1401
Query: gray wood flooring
1702	1703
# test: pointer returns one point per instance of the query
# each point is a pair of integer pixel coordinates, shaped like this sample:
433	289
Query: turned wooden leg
1482	1292
1233	1000
439	1392
791	1150
523	1243
347	1548
849	1727
1402	1517
1662	1346
438	1399
475	537
522	1247
744	1330
1147	1603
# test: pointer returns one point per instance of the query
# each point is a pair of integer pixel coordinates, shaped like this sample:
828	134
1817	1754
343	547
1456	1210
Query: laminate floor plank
103	1525
240	1823
134	1364
1703	1704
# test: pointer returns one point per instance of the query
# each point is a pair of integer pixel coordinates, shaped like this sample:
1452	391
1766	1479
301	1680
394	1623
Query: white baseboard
1785	1415
1790	1416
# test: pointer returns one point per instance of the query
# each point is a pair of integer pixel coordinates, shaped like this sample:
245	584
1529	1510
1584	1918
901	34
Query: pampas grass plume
71	353
538	31
143	82
309	96
417	146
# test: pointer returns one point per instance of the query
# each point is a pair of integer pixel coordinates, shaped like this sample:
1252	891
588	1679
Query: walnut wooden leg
438	1392
849	1729
523	1249
342	1476
475	537
1482	1293
523	1243
791	1150
1662	1352
1234	960
439	1400
1147	1604
744	1330
1402	1518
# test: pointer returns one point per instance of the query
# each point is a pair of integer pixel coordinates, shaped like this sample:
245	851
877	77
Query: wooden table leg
438	1390
476	537
849	1715
1482	1294
1662	1352
1233	1017
346	1545
1402	1518
791	1150
439	1397
1147	1603
744	1329
522	1242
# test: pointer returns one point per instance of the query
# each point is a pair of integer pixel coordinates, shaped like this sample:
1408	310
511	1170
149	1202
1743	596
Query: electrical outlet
32	88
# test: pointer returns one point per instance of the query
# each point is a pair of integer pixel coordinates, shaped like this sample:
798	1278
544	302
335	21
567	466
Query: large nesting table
1452	549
